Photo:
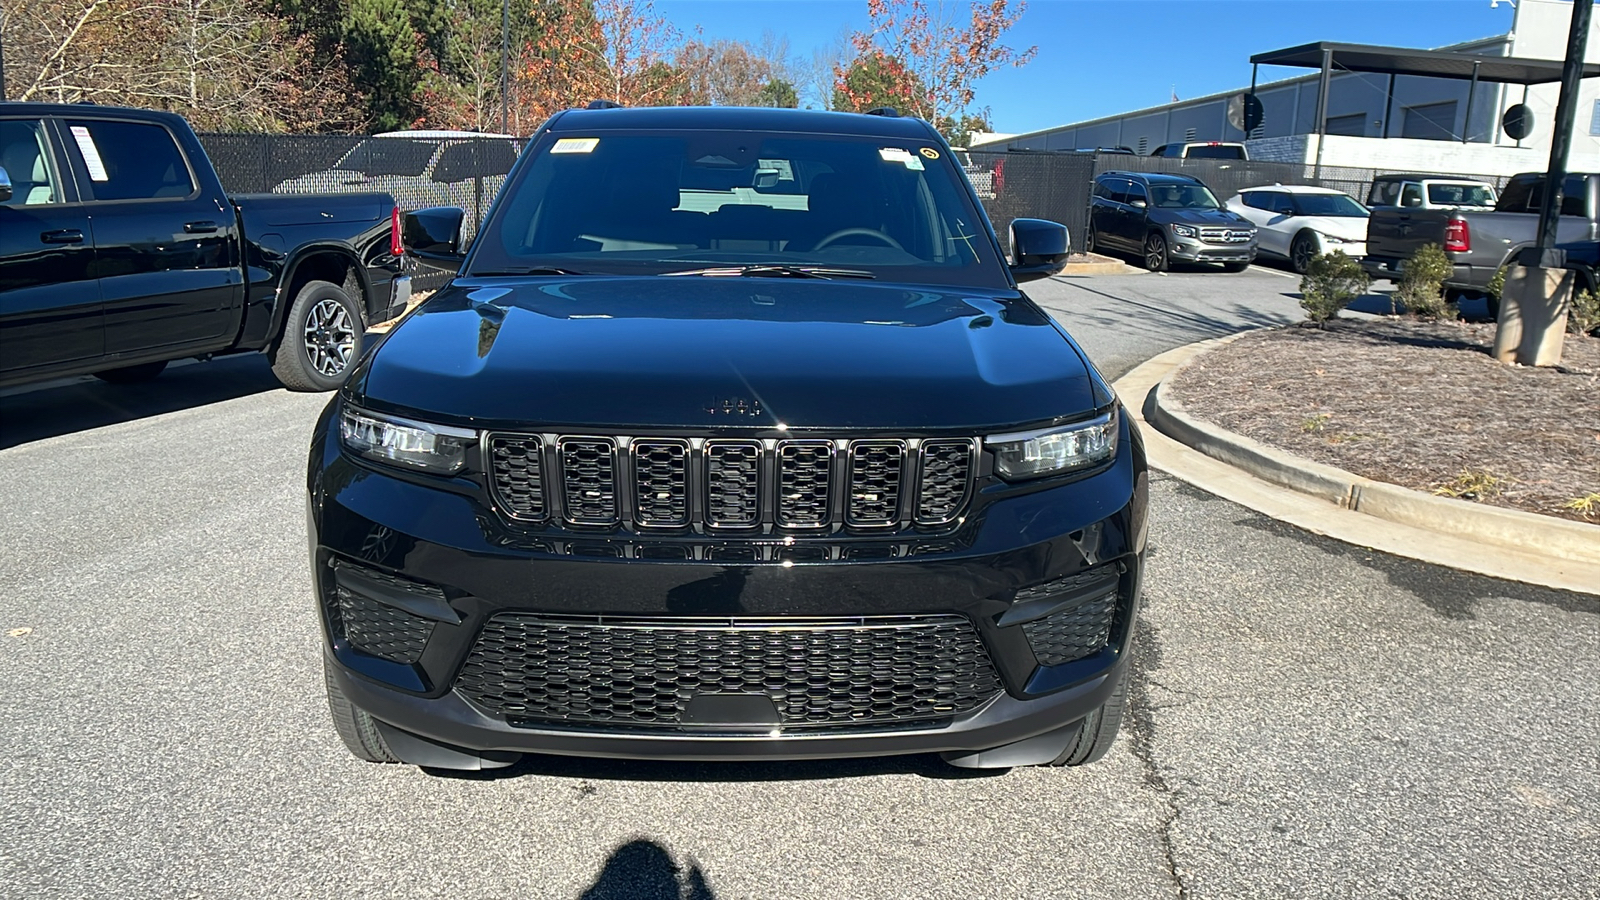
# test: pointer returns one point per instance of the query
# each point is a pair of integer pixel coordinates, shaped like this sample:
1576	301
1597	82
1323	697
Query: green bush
1496	285
1331	281
1422	287
1584	316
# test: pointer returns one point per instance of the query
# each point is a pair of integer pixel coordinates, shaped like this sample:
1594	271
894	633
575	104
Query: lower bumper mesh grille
1072	634
843	673
379	629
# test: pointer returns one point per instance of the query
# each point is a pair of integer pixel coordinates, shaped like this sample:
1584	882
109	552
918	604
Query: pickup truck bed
120	251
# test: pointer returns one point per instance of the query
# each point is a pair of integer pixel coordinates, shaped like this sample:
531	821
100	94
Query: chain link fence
422	171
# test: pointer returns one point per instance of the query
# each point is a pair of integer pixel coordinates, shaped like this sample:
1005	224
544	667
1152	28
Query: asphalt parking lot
1309	719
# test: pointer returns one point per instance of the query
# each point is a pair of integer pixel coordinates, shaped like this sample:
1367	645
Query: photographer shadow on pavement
643	870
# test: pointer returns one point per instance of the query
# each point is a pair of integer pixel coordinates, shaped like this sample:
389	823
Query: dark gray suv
1167	218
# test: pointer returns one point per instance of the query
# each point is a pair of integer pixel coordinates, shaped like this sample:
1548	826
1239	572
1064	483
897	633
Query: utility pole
2	67
505	66
1539	286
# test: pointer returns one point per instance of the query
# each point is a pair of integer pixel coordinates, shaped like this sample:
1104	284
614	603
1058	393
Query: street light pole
505	66
1561	140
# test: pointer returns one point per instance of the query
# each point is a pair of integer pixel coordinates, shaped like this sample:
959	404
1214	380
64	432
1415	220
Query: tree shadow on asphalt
641	869
54	409
595	769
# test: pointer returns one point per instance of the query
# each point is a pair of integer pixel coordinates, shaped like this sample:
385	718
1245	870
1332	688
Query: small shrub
1422	287
1584	316
1496	285
1331	281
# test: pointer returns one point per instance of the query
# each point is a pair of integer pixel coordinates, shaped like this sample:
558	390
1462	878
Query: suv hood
718	352
1197	217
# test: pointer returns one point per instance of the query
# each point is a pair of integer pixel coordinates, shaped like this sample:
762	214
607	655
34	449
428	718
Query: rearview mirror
5	186
1039	248
434	233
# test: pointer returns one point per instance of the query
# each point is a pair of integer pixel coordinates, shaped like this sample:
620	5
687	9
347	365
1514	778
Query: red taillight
1457	236
395	247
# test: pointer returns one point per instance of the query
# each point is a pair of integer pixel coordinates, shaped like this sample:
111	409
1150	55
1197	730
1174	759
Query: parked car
422	168
1479	242
986	179
120	251
1166	218
751	483
1297	222
1430	192
1202	150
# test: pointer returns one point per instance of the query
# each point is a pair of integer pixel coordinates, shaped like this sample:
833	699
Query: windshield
389	156
1215	151
1330	205
1461	195
660	201
1183	196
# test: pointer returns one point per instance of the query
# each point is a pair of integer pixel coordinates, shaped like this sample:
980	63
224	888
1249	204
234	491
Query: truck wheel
355	727
1088	240
1155	252
1099	728
1301	252
321	339
132	374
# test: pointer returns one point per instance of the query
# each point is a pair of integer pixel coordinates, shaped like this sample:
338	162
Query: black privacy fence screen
426	169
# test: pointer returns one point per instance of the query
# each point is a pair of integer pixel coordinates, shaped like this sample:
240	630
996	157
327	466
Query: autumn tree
778	93
920	52
460	84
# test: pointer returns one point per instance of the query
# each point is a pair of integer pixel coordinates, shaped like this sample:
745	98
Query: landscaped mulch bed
1418	404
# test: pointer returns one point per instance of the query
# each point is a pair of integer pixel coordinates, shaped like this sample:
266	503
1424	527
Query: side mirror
5	186
1138	204
434	233
1038	248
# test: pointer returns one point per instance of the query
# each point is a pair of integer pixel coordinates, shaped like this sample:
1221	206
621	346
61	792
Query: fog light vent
1074	633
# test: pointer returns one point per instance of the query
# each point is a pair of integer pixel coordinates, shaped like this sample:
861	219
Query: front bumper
479	567
1194	250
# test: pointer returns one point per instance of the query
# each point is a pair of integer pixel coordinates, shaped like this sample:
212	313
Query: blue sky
1100	57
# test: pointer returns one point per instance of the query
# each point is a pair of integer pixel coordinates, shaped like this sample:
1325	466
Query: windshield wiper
527	270
776	270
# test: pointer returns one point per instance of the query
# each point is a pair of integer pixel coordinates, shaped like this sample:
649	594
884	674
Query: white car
419	168
1297	222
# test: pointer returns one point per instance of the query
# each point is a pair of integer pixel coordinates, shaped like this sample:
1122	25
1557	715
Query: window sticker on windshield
929	152
91	154
900	155
781	166
575	145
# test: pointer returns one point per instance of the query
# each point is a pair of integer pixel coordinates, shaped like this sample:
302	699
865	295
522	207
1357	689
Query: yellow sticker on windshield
929	152
575	145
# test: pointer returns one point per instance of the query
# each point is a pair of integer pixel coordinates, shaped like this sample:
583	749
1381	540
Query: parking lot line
1257	268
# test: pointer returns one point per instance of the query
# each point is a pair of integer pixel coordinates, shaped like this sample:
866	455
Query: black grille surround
735	486
858	673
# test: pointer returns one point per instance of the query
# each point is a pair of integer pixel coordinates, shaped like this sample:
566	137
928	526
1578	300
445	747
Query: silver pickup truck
1479	242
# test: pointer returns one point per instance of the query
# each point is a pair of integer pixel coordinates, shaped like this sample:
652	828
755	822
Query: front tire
1155	252
1088	240
358	730
1301	252
132	374
321	339
1099	729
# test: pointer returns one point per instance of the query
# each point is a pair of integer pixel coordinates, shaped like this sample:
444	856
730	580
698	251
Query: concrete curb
1115	267
1503	543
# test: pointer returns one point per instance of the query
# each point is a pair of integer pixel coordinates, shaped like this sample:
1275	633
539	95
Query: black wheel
1155	252
321	339
355	727
1088	240
132	374
1099	728
1235	267
1301	252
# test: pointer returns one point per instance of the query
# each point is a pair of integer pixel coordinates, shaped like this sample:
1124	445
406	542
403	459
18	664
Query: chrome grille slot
661	482
805	471
875	468
518	464
944	481
589	479
733	483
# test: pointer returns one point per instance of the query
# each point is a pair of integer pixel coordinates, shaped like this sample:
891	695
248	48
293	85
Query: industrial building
1396	121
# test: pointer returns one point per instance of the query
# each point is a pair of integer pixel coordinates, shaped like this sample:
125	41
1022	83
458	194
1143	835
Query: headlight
414	445
1184	231
1056	450
1334	239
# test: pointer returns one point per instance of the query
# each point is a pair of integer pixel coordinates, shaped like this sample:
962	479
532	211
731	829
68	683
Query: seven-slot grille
863	672
798	485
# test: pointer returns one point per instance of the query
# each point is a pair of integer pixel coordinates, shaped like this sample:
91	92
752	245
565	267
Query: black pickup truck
120	251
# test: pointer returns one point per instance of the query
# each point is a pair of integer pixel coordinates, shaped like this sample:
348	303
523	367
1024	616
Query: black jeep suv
733	438
1166	218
